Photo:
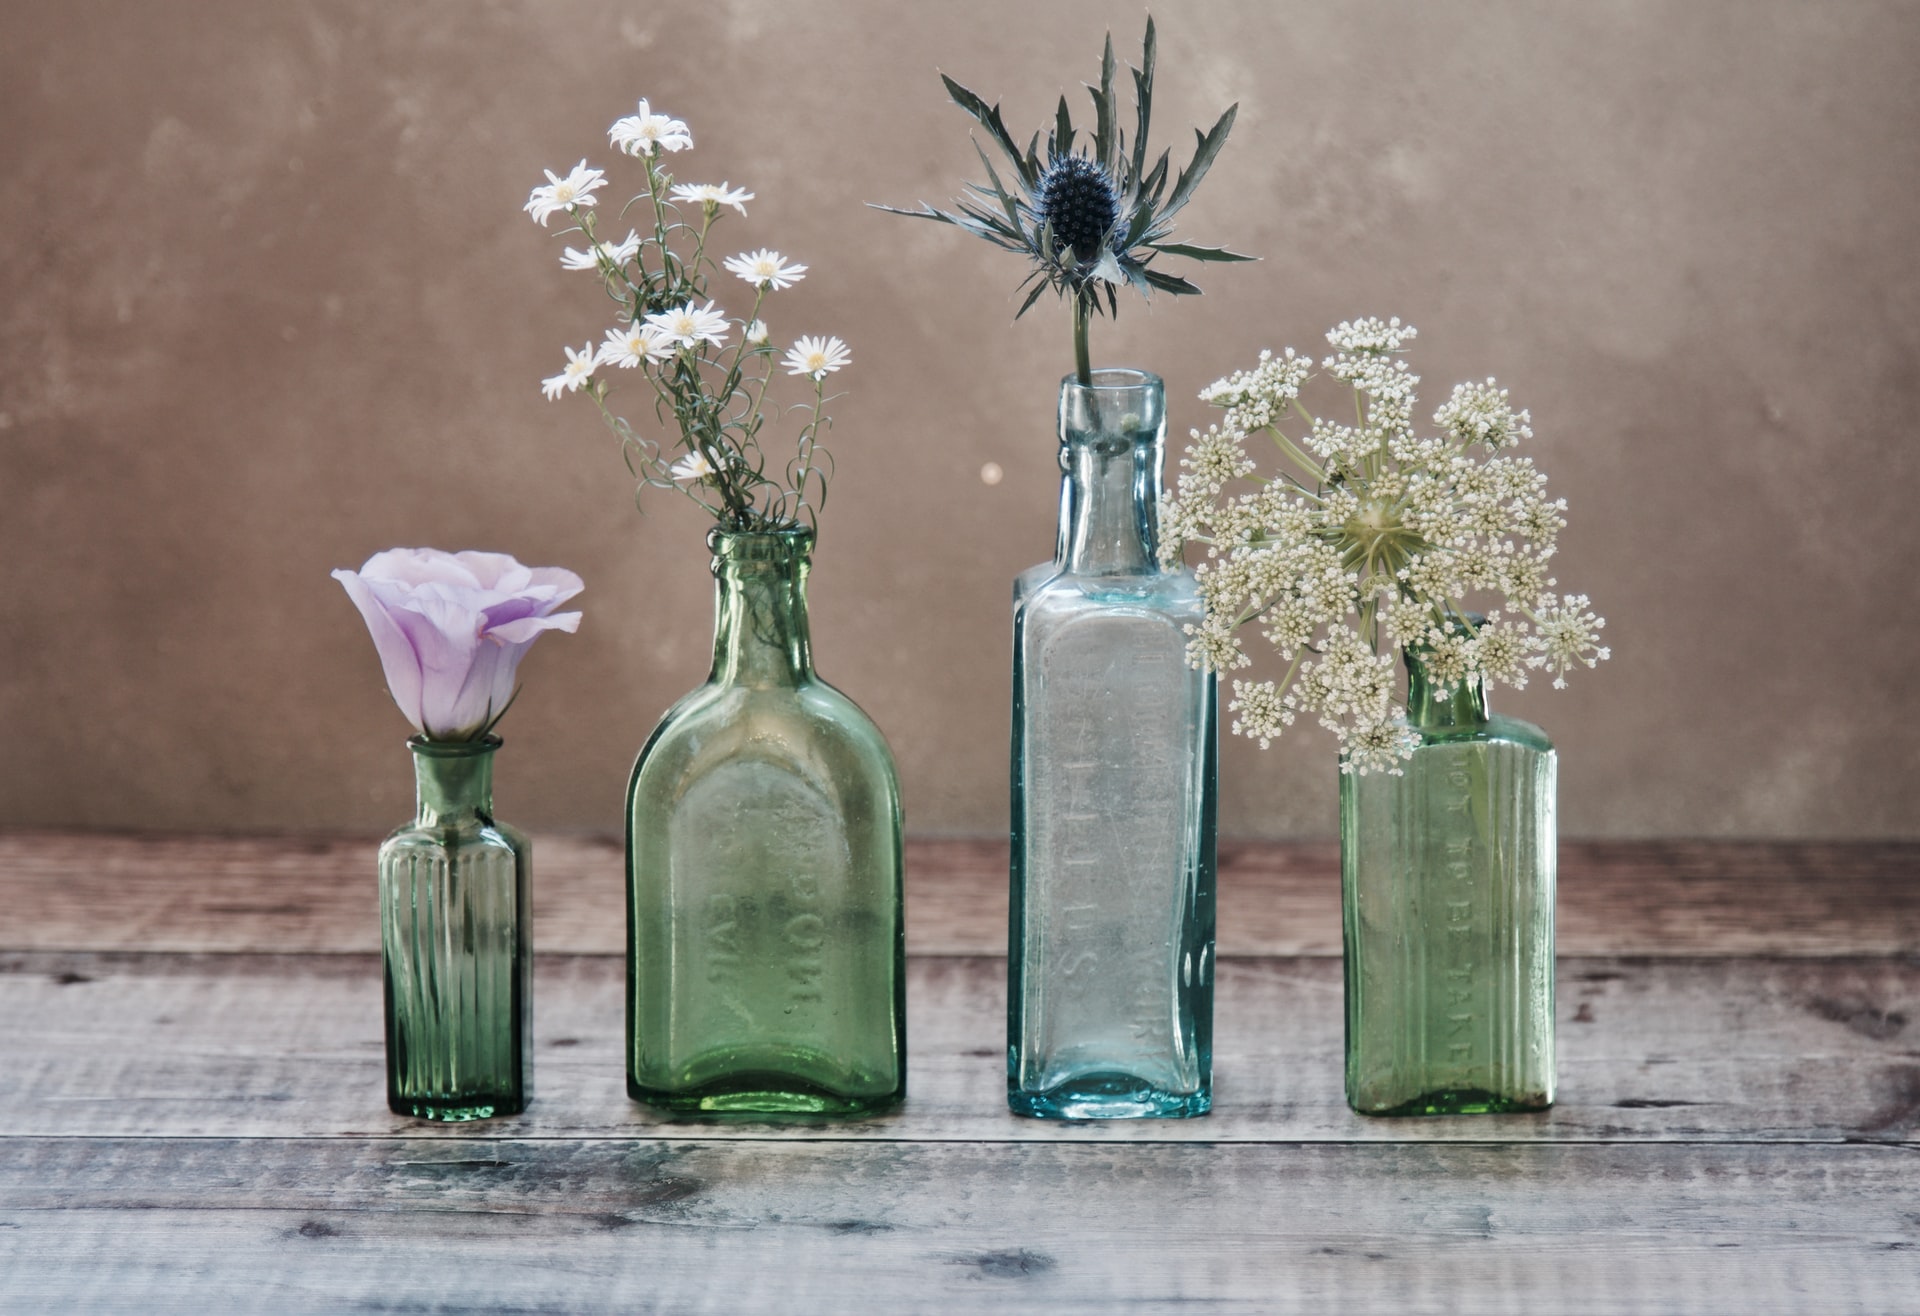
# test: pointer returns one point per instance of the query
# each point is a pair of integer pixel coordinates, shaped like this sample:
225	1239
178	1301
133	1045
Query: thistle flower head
1075	199
1091	220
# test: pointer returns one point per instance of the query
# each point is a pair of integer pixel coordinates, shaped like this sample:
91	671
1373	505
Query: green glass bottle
456	921
766	949
1447	874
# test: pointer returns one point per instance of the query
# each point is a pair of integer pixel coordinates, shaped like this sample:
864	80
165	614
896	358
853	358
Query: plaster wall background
268	303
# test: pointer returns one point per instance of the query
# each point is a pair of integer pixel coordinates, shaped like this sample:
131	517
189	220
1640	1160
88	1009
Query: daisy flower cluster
707	372
1372	537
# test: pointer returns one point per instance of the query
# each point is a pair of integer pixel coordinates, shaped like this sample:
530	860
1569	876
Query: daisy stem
732	384
709	210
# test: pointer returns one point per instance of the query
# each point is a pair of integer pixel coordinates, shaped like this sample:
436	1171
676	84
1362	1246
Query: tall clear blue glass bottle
1110	939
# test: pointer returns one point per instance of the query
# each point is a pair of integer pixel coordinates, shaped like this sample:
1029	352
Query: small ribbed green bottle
456	922
1447	874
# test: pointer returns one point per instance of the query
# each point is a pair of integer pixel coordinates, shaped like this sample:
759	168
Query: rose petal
397	656
525	629
419	566
562	582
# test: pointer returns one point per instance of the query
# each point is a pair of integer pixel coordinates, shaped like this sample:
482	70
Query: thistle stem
1082	365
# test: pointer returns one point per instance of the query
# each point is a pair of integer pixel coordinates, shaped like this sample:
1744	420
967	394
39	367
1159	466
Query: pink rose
451	629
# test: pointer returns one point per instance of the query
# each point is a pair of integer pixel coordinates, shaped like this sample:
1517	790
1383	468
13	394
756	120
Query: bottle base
454	1111
1458	1101
1107	1097
760	1096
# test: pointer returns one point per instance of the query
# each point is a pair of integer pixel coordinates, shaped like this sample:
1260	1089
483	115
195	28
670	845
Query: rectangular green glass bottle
1447	875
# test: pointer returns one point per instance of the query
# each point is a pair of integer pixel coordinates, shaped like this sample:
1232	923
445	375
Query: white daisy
693	466
616	253
629	345
686	325
576	189
765	269
757	333
709	194
646	132
579	367
818	357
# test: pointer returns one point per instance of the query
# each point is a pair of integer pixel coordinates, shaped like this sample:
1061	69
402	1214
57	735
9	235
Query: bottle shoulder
1049	589
466	836
1496	730
803	725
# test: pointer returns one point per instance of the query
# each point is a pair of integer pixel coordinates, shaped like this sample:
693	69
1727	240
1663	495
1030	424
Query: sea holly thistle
707	371
1371	537
1091	220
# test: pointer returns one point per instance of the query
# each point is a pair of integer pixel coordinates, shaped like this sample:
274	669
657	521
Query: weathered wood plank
1651	1049
317	894
511	1225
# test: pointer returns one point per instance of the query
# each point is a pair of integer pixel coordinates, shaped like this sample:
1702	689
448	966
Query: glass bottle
1110	939
1447	875
456	924
766	950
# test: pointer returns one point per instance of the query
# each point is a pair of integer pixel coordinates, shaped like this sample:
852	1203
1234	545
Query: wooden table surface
192	1112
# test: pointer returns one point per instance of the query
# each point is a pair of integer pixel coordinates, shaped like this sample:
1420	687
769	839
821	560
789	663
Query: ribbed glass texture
456	921
1110	943
1448	883
766	967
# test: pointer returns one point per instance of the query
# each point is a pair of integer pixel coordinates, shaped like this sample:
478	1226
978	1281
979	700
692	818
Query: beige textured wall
268	304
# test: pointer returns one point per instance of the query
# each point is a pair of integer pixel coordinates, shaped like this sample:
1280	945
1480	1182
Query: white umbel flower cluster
1373	538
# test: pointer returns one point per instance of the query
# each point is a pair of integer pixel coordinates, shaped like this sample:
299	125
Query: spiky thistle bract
1091	220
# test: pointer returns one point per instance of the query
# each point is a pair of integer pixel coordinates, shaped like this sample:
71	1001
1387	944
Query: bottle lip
454	749
1113	379
760	545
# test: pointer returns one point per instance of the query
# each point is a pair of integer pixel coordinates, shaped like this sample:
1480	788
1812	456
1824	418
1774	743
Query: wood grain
1655	1049
191	1113
66	891
516	1225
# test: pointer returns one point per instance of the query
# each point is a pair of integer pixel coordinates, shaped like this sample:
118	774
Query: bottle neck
1465	705
1113	437
453	780
760	633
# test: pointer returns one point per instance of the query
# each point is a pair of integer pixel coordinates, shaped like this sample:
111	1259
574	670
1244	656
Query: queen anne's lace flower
1255	398
1565	634
1478	413
1379	535
1262	715
1212	459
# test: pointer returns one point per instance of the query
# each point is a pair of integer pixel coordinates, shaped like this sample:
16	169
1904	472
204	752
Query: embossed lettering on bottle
1113	802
